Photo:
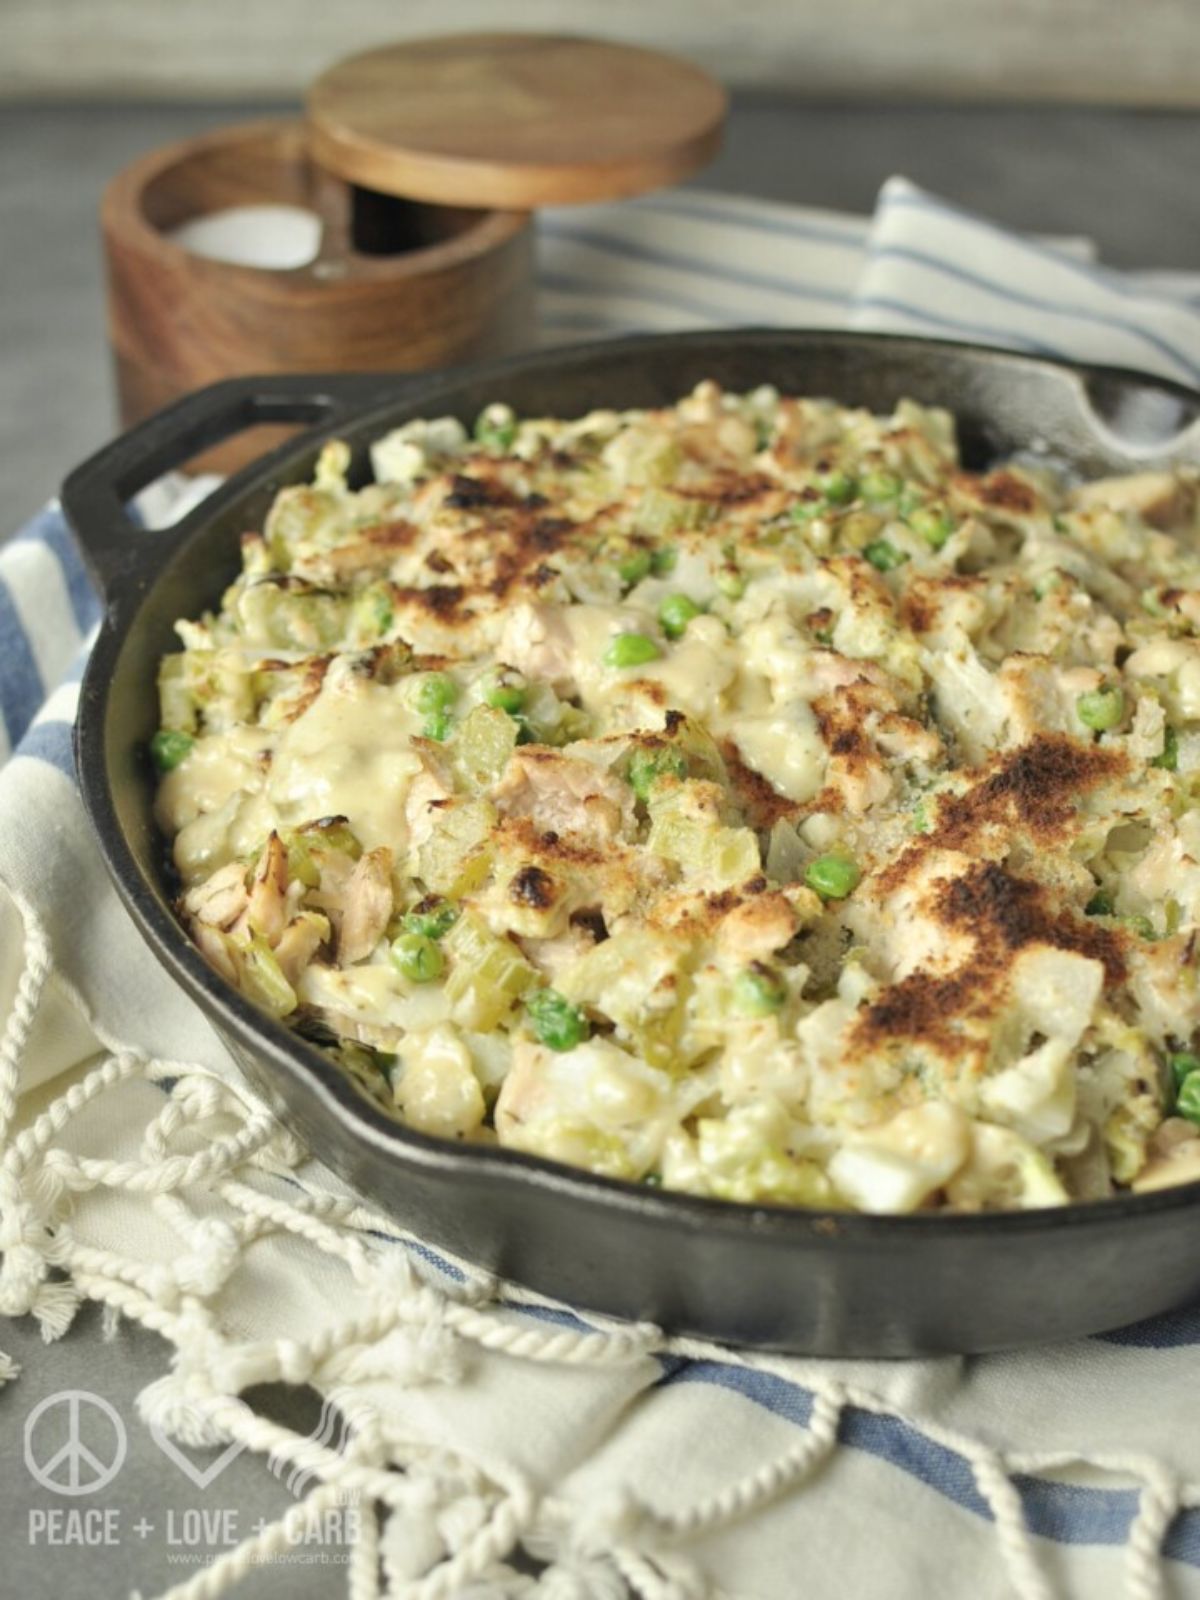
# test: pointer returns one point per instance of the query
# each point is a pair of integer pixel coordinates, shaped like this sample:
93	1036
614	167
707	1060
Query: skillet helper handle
96	495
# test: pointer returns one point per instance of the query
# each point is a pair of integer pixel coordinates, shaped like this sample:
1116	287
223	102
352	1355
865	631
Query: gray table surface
1127	179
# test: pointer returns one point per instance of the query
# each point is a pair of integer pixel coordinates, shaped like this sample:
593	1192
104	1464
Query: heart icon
200	1476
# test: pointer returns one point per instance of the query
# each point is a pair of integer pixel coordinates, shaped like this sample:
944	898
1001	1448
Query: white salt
269	236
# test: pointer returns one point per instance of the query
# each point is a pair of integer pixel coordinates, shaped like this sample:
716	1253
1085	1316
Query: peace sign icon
56	1452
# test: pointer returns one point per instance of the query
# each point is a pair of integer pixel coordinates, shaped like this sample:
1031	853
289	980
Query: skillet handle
95	496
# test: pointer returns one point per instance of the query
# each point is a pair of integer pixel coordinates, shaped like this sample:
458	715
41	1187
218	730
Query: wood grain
514	119
459	285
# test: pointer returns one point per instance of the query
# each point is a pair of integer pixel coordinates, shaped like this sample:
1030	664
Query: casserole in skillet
1003	403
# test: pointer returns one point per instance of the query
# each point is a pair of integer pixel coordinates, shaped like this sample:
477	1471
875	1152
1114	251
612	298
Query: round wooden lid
514	120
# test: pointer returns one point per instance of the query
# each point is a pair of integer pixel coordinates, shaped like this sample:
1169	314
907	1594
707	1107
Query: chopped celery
485	740
331	833
260	977
488	974
723	855
456	857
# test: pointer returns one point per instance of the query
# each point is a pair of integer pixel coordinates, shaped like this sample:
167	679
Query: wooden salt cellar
423	162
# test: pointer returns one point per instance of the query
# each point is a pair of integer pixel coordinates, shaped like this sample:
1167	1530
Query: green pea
758	991
1100	905
505	690
417	958
1188	1102
920	818
435	691
496	427
932	524
808	510
833	876
635	566
675	613
647	766
432	919
1169	759
884	556
631	650
1101	709
168	748
437	726
1142	926
662	560
555	1021
838	487
730	581
881	485
1182	1064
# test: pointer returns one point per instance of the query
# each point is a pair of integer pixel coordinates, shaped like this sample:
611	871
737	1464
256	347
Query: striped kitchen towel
484	1426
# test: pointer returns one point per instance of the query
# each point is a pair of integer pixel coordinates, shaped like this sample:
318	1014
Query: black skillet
827	1284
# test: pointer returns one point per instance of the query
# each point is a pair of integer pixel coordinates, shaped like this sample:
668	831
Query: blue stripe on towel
1021	297
1103	277
1173	1331
50	741
50	530
850	236
987	331
1065	1513
21	687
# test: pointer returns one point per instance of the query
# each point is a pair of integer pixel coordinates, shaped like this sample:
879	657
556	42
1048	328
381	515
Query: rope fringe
427	1527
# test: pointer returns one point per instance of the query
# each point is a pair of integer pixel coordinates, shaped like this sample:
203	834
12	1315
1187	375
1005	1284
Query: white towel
138	1171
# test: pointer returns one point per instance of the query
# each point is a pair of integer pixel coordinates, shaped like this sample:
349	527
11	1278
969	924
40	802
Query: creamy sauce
348	755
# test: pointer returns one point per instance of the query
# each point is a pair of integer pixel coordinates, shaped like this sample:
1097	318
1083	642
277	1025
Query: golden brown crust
1030	792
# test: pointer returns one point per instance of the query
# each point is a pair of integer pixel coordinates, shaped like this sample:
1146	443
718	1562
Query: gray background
1126	178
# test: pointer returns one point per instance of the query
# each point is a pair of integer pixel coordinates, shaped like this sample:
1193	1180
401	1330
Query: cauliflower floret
595	1106
896	1167
403	455
1057	991
1002	1171
1036	1095
435	1089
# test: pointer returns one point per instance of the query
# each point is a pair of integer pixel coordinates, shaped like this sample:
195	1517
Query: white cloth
138	1170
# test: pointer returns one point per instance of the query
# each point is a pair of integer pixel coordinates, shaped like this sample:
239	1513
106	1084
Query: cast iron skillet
827	1284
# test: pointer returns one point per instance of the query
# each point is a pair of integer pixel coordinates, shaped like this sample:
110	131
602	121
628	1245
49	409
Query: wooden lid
514	120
